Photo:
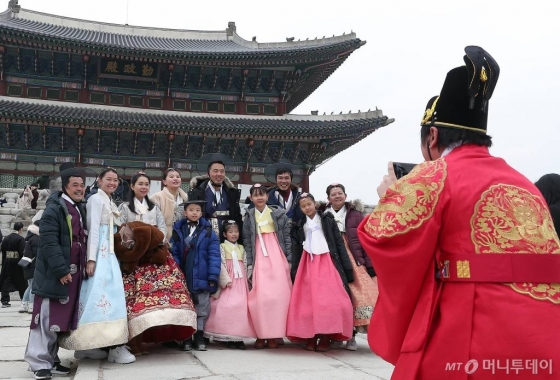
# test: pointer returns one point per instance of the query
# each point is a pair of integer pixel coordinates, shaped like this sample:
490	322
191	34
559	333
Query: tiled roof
291	127
171	41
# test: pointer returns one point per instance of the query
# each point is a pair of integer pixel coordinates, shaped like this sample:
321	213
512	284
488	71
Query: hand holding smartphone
401	169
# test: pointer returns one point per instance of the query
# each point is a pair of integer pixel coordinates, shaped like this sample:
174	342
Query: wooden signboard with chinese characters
131	70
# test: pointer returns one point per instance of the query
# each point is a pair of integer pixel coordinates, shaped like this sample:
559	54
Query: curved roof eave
154	39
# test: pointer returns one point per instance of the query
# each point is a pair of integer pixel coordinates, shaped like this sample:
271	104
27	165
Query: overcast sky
411	45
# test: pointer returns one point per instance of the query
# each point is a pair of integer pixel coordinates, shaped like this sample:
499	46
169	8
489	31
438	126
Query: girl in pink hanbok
320	308
229	319
266	235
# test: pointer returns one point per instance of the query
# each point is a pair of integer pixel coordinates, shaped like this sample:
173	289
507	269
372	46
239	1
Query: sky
411	45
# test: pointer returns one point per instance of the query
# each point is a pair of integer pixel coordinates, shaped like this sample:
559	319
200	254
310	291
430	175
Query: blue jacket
203	261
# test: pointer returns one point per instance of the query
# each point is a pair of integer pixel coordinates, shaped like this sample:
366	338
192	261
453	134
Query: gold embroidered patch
409	202
509	219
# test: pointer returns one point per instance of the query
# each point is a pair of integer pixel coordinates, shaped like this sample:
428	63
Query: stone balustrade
11	213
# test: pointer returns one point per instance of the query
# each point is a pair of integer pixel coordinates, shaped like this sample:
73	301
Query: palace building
140	98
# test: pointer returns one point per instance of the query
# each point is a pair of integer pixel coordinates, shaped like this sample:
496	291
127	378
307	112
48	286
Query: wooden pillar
168	100
245	178
305	183
281	108
84	93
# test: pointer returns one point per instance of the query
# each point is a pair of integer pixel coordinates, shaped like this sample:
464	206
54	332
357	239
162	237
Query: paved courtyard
218	363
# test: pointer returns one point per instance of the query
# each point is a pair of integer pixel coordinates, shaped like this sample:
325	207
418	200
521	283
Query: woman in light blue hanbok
102	306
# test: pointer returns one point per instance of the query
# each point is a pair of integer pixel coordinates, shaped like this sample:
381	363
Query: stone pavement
218	363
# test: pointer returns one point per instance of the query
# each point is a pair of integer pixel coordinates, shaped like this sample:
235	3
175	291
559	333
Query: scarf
339	217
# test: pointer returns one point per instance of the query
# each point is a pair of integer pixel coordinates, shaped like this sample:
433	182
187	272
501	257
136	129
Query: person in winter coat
221	196
11	276
320	308
284	195
348	216
549	186
30	253
60	264
35	196
268	246
196	249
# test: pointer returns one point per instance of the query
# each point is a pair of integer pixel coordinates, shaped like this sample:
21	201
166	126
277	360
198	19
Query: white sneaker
95	354
30	309
120	355
24	307
351	344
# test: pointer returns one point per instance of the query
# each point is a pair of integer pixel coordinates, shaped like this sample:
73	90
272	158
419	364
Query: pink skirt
269	299
229	314
319	303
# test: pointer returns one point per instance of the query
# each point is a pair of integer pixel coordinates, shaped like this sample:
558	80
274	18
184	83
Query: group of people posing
184	268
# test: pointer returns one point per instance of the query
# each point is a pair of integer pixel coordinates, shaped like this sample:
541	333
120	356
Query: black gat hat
463	100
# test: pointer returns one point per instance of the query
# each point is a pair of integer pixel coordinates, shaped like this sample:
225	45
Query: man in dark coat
58	276
221	196
11	277
286	195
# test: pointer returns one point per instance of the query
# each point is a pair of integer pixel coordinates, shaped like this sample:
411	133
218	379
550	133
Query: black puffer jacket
336	248
53	255
31	246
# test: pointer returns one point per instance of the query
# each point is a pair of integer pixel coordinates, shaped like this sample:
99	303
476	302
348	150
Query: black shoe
199	343
59	369
42	373
186	345
7	304
171	344
239	345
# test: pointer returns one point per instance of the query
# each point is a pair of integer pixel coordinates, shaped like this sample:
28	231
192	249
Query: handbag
24	262
127	236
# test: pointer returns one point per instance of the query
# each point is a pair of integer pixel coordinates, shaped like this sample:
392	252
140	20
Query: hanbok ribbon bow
237	273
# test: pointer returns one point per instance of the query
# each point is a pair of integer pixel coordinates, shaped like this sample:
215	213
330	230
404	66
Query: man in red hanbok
467	258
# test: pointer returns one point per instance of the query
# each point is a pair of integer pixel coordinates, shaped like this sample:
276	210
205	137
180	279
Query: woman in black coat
549	186
30	252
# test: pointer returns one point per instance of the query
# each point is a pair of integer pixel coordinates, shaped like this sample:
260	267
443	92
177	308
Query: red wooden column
245	178
305	183
84	93
168	100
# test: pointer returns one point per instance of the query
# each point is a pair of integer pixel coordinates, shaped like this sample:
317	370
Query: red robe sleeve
400	236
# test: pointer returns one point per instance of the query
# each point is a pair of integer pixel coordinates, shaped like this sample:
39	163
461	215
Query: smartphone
402	169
